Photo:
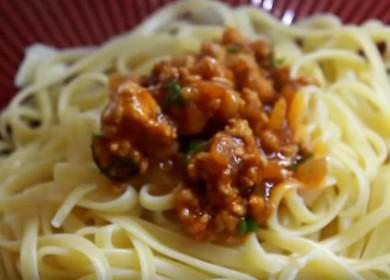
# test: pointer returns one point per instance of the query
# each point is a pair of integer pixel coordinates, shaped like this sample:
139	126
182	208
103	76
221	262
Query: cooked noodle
59	218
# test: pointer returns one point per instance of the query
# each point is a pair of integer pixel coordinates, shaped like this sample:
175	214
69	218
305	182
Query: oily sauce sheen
222	121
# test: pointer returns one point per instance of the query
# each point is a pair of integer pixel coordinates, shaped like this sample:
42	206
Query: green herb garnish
194	147
298	161
277	62
248	225
98	135
174	96
233	48
118	168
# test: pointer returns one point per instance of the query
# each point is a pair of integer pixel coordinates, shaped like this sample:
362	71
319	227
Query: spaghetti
60	218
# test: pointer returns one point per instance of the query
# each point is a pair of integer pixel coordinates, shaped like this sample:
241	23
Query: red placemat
67	23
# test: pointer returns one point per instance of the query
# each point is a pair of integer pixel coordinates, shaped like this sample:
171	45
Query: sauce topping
223	119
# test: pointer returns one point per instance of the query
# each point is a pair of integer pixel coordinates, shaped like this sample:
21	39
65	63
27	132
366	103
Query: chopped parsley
194	147
248	225
298	161
233	48
277	62
98	135
174	96
118	168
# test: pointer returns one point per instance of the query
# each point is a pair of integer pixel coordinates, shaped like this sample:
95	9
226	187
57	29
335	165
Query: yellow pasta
59	219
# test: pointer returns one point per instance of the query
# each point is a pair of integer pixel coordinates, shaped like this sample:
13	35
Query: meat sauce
224	120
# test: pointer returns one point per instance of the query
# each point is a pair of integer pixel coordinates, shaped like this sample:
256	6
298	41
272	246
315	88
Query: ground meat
133	129
190	213
209	68
223	119
253	109
263	53
213	49
248	74
206	90
232	37
231	166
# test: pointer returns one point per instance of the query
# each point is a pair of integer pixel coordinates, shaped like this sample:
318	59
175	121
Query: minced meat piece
248	74
206	93
133	129
230	166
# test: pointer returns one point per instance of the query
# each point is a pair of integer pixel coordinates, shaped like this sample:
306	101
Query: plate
71	23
